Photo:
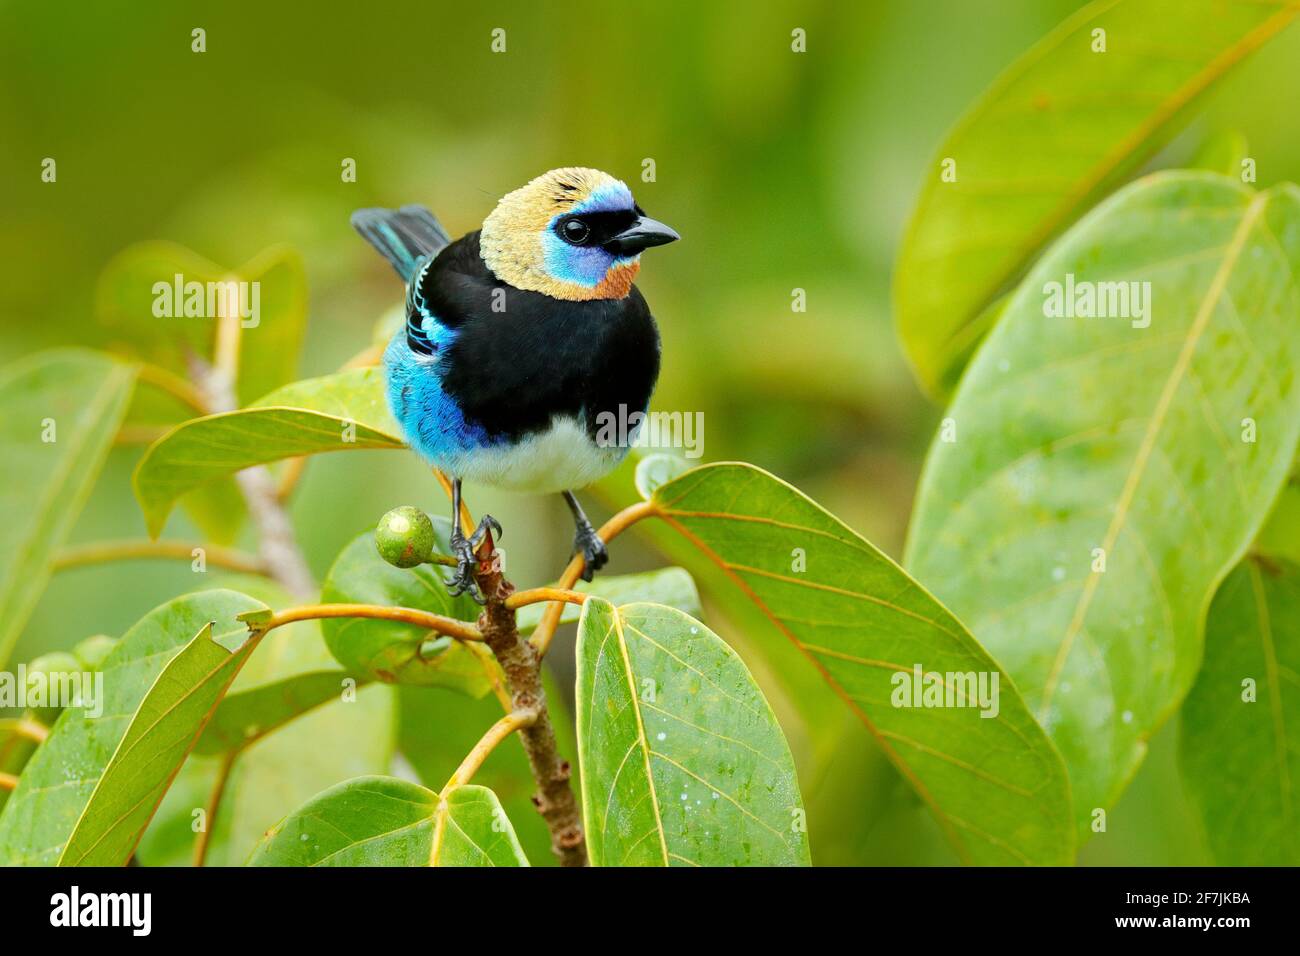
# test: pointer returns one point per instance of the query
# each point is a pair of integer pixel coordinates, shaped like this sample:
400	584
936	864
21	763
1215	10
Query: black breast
521	358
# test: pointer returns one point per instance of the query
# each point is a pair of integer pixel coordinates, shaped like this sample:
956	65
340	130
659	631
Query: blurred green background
781	171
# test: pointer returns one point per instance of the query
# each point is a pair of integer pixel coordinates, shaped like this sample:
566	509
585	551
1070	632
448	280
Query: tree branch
498	732
460	630
523	668
204	836
537	595
98	552
33	730
611	529
172	384
278	545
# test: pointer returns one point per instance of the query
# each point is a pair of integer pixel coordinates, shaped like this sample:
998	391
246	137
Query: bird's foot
463	580
588	544
485	524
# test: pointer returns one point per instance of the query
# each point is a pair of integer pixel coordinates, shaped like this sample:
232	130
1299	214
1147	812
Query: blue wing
432	422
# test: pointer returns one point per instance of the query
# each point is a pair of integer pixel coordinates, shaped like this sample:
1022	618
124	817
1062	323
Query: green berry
92	651
56	662
404	537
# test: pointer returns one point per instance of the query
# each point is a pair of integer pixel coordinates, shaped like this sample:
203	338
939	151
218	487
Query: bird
520	339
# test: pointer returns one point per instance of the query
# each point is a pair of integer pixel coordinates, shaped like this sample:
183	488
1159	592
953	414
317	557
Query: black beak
642	234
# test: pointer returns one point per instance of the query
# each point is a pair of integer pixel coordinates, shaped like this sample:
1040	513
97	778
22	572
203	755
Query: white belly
561	458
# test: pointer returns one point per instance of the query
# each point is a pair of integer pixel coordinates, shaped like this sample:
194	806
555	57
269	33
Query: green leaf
271	776
682	760
995	784
1057	131
279	762
382	821
438	727
269	343
339	412
89	791
671	586
391	651
817	725
269	351
1221	152
292	674
1079	434
1240	736
59	412
653	470
15	750
243	717
125	297
218	509
1280	537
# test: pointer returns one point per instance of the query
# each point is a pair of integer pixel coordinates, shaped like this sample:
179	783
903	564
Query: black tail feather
405	236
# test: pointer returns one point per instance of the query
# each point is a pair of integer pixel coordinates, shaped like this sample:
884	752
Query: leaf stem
172	384
290	475
498	732
31	729
611	529
537	595
204	836
99	552
139	434
461	630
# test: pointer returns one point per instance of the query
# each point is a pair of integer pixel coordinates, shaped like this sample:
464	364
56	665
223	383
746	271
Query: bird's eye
575	231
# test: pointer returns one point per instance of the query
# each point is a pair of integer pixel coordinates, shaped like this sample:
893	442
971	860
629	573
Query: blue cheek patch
581	265
585	265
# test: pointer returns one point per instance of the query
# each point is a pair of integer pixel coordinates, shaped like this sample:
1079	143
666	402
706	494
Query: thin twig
611	529
278	544
139	434
537	595
461	630
204	836
498	732
290	475
33	730
173	385
99	552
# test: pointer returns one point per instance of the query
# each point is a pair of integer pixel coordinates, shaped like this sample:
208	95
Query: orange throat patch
617	282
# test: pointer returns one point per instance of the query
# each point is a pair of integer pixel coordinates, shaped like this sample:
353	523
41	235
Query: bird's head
571	233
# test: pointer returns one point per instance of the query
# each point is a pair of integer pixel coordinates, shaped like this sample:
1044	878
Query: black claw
593	550
484	523
463	580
